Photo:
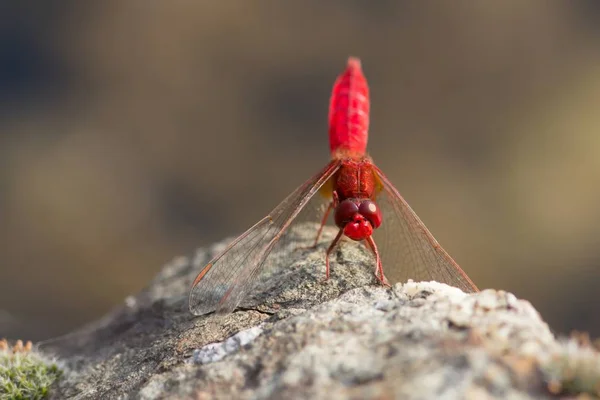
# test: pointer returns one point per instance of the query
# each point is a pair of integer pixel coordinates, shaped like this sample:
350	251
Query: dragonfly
366	208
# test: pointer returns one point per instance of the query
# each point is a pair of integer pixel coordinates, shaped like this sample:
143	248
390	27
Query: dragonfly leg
379	274
323	222
334	203
329	250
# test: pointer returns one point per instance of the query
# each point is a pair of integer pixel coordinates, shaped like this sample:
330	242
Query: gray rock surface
308	339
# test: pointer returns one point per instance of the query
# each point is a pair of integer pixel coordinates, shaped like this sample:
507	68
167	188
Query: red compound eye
371	212
344	212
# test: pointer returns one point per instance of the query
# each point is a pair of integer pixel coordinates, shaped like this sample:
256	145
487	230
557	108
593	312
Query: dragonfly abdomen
349	112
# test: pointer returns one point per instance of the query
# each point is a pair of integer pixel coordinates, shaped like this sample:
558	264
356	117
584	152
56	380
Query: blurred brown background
132	132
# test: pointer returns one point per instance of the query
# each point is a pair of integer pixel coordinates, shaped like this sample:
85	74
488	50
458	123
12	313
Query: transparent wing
408	250
226	279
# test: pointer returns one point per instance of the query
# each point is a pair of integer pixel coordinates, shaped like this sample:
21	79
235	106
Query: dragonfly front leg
379	274
333	204
323	222
329	250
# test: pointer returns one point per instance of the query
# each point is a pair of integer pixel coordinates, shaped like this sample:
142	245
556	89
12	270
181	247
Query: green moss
25	375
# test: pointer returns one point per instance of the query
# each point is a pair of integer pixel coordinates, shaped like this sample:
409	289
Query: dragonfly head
358	217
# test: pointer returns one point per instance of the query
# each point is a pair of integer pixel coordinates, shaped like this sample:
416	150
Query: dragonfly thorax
355	179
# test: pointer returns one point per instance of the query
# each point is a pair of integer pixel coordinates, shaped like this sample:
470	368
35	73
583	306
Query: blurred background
133	132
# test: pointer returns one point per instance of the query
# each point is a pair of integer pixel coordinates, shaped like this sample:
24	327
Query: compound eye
344	212
371	211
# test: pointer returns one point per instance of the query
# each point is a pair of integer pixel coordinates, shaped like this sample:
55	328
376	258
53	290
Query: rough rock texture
305	338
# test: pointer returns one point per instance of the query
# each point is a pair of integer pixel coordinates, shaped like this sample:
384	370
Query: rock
299	337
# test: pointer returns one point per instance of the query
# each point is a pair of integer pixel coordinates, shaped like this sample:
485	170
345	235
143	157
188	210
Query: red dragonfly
359	195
